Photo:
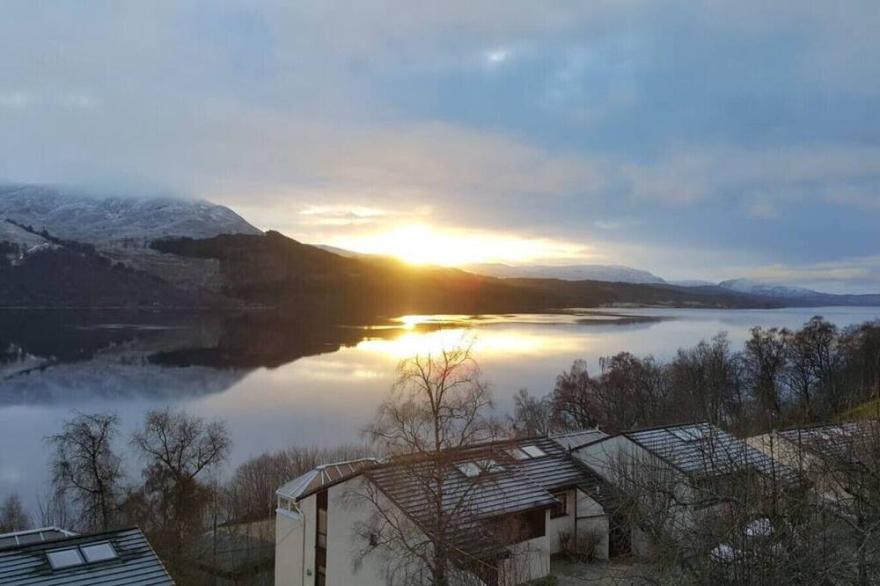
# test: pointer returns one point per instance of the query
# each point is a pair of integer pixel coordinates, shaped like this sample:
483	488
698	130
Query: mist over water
278	383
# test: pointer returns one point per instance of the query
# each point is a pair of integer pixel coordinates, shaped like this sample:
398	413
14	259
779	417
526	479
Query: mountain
692	283
104	220
765	290
18	236
607	273
63	248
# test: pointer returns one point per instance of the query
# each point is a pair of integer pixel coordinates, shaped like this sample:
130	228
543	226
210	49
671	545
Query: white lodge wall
591	518
295	545
561	524
529	560
344	514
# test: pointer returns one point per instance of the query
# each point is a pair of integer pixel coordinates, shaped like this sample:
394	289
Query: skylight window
474	469
533	451
469	469
518	454
98	552
689	434
64	558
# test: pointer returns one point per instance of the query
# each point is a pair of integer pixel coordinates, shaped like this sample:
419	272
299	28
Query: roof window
64	558
98	552
533	451
474	469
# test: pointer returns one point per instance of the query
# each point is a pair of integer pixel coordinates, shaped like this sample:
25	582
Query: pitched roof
701	449
576	439
512	476
850	442
480	483
133	561
323	476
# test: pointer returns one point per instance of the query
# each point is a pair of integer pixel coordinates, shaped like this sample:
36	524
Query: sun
422	244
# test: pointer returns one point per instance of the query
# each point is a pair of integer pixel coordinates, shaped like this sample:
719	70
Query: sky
696	139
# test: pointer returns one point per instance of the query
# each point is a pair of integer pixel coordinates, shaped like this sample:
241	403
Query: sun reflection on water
486	342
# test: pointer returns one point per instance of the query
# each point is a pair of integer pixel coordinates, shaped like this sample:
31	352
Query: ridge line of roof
61	541
673	426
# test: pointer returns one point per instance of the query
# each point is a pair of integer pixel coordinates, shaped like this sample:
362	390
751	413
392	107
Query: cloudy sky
694	139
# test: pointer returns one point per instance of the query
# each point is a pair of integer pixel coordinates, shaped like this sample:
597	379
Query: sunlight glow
486	343
421	244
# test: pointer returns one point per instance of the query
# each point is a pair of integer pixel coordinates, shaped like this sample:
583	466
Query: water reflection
279	380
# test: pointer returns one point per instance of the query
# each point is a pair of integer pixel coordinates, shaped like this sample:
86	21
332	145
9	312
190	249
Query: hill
67	276
277	271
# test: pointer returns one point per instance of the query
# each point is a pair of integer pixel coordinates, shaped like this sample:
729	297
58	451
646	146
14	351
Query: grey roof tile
701	449
136	563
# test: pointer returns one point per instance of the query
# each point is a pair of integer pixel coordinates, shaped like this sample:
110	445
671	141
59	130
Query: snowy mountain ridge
764	289
101	220
590	272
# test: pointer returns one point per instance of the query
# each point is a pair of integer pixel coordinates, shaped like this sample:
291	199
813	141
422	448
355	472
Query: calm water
281	382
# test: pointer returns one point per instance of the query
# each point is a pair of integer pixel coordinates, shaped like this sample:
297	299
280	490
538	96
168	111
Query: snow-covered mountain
9	232
103	219
693	283
764	289
609	273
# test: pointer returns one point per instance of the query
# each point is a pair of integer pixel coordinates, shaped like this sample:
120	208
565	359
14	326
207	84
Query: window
560	510
517	454
474	469
64	558
520	527
688	434
98	552
469	469
287	504
533	451
321	539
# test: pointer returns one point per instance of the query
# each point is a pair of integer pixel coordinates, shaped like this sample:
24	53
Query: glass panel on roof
7	542
469	469
688	434
29	538
533	451
517	454
98	552
474	469
491	466
64	558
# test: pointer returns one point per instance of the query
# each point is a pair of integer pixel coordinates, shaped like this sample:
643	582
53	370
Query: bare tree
706	382
437	405
764	362
630	392
575	401
178	449
531	415
12	515
250	493
85	468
